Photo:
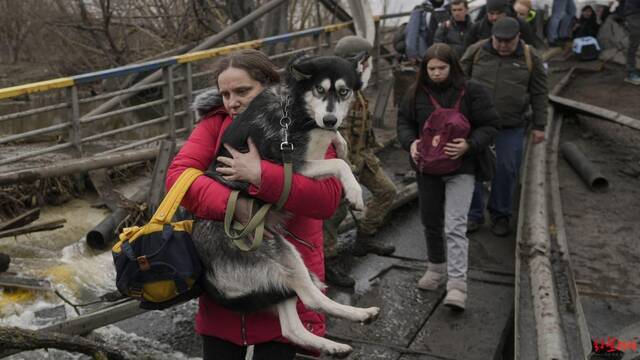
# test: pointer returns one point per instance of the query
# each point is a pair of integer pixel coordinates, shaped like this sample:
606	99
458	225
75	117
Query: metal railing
81	129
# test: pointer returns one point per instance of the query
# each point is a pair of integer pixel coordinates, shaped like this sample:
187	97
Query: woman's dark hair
444	53
254	62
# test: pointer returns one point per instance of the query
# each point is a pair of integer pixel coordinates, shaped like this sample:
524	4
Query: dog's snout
330	120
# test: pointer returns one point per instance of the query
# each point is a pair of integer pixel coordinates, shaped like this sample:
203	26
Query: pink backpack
442	126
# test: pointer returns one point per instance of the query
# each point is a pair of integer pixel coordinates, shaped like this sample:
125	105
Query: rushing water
81	275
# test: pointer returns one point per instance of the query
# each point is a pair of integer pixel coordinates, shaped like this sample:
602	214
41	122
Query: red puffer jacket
309	201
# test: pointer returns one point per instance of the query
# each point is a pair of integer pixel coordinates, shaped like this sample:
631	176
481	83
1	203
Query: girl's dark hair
254	62
444	53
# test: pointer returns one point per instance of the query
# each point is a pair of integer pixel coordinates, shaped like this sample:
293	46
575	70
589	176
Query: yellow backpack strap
527	57
172	200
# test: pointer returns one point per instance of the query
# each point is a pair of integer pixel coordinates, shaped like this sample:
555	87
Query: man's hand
538	136
413	150
242	166
456	148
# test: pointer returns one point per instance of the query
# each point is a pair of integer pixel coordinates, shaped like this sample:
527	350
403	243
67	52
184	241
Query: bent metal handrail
65	82
76	122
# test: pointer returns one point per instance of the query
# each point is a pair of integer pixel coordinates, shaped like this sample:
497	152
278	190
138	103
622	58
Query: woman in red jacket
226	334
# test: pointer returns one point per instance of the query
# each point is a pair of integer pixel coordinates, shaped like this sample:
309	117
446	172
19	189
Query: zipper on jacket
303	242
243	329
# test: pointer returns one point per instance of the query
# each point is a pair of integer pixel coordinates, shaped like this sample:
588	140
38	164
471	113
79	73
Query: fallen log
596	111
78	165
84	324
23	339
21	220
50	225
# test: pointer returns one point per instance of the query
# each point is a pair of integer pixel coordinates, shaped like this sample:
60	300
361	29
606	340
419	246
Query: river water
81	275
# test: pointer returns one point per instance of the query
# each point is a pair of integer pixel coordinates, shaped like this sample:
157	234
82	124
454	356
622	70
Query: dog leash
238	231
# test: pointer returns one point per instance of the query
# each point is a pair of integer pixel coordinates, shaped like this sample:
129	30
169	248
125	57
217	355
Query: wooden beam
21	220
596	111
50	225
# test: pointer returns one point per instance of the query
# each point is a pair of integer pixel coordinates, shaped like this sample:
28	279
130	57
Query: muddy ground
603	228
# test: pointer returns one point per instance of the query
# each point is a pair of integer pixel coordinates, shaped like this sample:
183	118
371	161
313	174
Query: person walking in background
559	26
357	129
525	12
496	10
444	196
452	31
421	29
515	76
631	12
239	78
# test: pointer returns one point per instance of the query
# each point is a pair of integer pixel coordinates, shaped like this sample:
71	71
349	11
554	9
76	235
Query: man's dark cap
506	28
497	5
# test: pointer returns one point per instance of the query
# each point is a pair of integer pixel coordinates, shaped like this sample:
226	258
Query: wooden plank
50	225
21	220
14	281
596	111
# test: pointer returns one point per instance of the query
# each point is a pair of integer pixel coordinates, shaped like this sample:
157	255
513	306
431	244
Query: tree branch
23	339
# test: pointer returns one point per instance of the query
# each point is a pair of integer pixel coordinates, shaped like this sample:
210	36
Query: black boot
336	276
364	245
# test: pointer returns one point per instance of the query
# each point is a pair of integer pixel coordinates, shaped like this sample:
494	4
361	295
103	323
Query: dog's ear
300	69
362	64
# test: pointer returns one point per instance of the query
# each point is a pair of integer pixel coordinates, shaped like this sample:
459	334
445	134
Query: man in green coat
358	132
516	78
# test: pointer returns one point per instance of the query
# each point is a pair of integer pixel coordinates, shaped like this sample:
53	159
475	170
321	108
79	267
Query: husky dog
317	98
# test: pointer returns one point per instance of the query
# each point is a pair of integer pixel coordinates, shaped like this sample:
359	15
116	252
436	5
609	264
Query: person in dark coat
515	76
445	199
452	32
631	13
587	24
496	10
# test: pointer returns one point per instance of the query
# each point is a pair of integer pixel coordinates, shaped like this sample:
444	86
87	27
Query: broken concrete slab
475	333
403	310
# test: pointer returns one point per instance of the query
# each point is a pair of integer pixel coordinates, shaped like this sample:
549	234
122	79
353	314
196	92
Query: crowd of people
539	27
480	89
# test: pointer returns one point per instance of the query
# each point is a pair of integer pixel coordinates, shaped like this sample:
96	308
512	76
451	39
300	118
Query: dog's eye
343	92
320	89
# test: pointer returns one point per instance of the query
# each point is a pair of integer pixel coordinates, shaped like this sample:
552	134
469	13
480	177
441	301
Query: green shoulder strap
237	231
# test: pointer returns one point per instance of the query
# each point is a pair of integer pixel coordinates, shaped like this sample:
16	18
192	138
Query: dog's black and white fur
320	91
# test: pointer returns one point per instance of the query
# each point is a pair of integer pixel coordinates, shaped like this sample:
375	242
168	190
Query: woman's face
587	13
237	88
438	70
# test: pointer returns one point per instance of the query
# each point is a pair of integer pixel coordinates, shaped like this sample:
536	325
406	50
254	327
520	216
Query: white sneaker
434	276
456	294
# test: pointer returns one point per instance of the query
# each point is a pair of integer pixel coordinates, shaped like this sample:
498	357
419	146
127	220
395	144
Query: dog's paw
353	194
338	350
372	314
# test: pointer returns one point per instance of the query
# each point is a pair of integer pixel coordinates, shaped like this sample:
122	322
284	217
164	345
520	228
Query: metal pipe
584	167
32	112
211	41
126	128
37	152
88	119
41	131
104	234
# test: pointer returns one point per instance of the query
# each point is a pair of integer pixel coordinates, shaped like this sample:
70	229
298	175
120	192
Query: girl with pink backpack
447	124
